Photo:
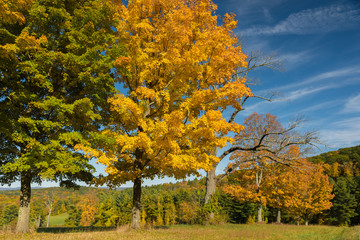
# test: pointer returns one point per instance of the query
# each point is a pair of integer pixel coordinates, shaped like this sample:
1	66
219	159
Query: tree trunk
24	209
306	220
210	184
48	218
135	220
210	189
278	217
259	213
38	222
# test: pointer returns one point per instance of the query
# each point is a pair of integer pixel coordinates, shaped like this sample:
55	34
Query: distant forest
182	203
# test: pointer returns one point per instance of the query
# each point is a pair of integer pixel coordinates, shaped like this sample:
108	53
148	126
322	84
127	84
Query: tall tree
55	78
177	80
263	139
344	202
308	190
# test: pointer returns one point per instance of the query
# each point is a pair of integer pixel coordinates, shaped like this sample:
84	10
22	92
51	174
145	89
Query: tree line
183	202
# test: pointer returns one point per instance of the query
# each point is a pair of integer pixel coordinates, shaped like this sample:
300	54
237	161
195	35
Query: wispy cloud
342	133
290	97
300	93
312	21
342	73
353	105
322	106
295	59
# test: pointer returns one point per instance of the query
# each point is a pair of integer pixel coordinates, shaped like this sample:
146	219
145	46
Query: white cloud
295	59
312	21
321	106
344	133
353	104
300	93
341	73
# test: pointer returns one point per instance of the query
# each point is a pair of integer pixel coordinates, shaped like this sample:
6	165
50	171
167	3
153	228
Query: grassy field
227	232
58	220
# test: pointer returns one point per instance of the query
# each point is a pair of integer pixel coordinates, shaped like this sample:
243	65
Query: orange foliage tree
176	80
251	182
261	151
308	190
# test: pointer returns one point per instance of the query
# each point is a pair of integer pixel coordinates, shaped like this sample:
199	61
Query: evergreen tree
344	202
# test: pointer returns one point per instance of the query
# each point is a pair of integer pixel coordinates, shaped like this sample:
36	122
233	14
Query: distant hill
341	156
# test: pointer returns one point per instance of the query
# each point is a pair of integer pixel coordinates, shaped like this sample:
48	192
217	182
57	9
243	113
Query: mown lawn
223	232
58	220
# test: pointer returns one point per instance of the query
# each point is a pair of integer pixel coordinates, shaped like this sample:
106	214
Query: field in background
58	220
221	232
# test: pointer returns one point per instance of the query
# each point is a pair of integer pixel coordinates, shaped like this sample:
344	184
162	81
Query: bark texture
259	213
278	217
135	220
24	209
210	184
306	220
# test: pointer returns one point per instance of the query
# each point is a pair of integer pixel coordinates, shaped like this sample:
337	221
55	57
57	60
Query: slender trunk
48	218
278	217
306	219
259	213
298	220
135	220
24	209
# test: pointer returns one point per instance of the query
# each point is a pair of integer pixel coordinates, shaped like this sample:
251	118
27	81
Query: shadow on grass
161	227
74	229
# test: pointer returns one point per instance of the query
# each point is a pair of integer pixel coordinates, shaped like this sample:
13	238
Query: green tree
74	218
344	202
55	78
9	214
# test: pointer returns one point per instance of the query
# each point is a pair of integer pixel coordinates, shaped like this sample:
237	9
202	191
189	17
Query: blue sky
319	42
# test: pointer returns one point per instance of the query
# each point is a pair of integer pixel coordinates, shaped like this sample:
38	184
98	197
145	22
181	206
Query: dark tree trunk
259	210
210	188
210	184
24	209
135	220
278	217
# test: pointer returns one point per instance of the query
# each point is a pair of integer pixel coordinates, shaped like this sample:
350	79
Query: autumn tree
308	191
262	144
176	80
55	78
248	185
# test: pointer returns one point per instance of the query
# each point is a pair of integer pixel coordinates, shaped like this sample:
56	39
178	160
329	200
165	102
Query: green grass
58	220
194	232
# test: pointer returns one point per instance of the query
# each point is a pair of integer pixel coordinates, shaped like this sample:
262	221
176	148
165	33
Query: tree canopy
177	79
55	78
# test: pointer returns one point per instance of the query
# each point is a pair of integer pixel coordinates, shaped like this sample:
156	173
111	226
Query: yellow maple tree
176	80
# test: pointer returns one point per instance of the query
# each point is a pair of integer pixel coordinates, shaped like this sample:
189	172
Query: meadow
188	232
